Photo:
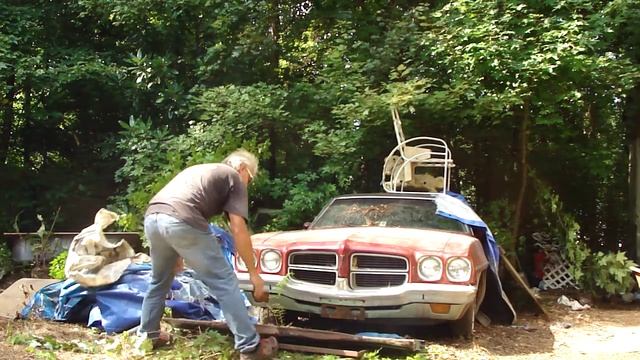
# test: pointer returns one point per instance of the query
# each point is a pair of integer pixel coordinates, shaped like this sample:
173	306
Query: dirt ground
607	331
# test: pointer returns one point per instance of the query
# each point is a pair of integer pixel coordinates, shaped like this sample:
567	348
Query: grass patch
187	345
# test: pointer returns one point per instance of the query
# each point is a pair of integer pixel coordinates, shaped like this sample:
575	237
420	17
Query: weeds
275	309
209	344
206	345
56	266
44	347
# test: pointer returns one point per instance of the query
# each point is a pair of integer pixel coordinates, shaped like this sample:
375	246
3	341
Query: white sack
95	261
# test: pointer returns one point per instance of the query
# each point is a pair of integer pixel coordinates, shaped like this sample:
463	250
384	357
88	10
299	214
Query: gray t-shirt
200	192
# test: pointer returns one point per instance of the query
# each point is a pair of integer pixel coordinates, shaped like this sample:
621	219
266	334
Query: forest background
103	101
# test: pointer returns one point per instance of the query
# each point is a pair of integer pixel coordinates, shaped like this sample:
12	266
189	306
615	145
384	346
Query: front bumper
409	301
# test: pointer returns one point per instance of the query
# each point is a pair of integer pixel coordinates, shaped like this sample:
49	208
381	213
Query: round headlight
271	261
430	268
459	269
241	265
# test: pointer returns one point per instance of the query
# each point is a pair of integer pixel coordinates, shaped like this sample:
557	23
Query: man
176	226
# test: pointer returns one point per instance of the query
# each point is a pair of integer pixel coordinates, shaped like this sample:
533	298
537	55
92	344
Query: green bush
306	195
56	266
610	272
600	273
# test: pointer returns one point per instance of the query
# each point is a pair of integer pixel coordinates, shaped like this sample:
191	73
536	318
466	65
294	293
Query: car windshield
386	212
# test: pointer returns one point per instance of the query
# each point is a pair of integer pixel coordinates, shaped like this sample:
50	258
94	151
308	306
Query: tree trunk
8	119
523	167
274	29
27	138
634	191
632	121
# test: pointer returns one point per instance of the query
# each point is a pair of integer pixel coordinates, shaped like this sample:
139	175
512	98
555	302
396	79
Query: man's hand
245	251
259	292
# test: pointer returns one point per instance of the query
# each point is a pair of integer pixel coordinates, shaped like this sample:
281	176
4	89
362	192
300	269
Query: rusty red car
376	257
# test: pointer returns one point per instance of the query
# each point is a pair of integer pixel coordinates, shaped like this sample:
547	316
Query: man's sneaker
159	340
266	350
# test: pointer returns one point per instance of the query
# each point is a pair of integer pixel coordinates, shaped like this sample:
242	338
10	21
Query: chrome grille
314	267
379	280
313	259
314	276
382	262
373	270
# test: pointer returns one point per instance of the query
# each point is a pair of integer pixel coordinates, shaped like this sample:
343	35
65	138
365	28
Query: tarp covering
117	307
496	303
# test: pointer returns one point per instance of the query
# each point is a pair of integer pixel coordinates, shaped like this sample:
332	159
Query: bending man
176	225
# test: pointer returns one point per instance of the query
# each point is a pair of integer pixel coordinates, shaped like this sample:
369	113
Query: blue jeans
169	238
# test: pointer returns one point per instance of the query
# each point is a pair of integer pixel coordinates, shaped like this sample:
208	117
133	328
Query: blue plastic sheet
226	242
117	307
496	304
455	206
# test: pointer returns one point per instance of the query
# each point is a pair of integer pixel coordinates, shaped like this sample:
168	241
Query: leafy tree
109	99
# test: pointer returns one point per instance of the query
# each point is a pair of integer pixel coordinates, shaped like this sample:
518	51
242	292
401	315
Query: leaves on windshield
367	215
408	213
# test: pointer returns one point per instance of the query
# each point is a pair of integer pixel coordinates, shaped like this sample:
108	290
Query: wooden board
14	298
319	350
523	284
312	334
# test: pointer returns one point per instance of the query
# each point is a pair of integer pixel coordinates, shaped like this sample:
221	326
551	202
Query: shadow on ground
530	335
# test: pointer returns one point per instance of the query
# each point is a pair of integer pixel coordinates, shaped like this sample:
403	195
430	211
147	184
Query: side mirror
306	225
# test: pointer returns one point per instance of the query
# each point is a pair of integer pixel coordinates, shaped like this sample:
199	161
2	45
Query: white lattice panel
556	273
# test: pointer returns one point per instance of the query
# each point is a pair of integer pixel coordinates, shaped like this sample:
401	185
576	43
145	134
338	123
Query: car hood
335	239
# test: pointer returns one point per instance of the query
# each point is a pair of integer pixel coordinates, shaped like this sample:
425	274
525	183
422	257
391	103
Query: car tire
464	326
482	290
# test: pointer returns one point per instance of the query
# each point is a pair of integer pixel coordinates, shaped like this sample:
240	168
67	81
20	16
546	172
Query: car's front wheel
464	326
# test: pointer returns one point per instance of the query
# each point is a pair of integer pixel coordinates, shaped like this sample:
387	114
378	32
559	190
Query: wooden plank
15	297
516	275
313	334
319	350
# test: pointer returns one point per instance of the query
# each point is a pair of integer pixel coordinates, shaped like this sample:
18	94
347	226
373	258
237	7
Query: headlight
270	261
241	265
430	268
458	269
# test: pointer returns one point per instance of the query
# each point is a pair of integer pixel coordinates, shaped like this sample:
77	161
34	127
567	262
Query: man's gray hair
242	156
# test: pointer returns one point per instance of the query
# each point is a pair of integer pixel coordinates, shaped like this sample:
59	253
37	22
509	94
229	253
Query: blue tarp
455	206
117	307
226	242
495	304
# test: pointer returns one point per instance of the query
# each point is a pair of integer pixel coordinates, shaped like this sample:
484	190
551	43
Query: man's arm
244	249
